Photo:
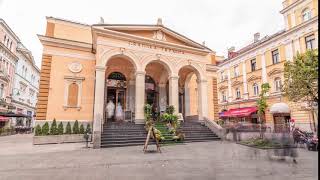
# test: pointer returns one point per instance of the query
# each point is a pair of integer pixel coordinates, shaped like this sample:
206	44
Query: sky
220	23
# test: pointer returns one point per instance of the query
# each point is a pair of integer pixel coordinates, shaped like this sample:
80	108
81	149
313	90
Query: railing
216	128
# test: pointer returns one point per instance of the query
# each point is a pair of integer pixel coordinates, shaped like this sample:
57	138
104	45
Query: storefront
281	117
246	114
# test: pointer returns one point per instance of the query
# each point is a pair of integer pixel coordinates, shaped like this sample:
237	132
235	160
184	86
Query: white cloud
220	23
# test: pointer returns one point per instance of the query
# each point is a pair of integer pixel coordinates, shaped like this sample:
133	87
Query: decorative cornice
64	43
211	68
10	53
74	78
253	77
139	39
275	71
284	10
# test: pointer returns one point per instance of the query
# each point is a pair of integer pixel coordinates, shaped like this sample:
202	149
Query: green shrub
53	128
81	129
147	112
45	129
170	109
75	129
68	128
88	129
38	131
60	128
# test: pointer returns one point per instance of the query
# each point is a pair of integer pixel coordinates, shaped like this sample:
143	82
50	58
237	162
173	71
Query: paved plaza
216	160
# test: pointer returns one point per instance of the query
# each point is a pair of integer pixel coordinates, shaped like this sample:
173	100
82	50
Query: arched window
277	84
1	90
255	89
73	94
117	76
238	93
306	14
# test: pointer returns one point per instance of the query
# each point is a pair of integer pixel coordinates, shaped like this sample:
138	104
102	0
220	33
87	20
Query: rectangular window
238	94
275	56
253	64
236	71
223	96
310	42
221	74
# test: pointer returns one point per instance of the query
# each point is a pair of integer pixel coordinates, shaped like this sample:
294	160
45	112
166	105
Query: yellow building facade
243	73
84	67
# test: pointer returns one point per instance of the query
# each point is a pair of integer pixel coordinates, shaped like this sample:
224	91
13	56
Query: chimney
256	37
159	22
231	53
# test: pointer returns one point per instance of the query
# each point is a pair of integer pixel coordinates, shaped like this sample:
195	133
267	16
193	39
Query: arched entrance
156	86
192	97
119	88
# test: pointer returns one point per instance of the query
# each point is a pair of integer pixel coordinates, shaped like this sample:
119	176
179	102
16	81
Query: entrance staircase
130	134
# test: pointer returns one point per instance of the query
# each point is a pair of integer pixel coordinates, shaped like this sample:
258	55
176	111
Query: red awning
239	112
2	118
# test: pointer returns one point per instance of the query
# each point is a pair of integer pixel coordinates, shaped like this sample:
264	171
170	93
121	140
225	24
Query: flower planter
58	139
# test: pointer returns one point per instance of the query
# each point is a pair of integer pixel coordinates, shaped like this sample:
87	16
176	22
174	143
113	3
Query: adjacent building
26	87
8	59
241	75
19	79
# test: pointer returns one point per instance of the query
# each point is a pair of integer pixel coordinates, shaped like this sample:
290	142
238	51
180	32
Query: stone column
140	95
174	92
289	51
98	106
202	99
187	99
162	97
245	85
229	86
263	67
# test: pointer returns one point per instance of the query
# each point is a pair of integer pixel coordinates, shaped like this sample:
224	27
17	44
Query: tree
301	80
53	128
68	128
45	129
88	129
81	131
60	128
262	104
76	127
38	130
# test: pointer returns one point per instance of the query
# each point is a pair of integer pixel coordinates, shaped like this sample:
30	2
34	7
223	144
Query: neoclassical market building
86	66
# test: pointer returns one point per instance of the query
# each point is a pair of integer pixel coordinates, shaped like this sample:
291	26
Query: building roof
132	26
252	45
3	22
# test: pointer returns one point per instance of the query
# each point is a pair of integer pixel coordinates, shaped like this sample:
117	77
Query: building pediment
156	33
275	71
253	78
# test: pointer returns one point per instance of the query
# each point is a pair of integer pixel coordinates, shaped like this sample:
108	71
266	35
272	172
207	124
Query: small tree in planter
68	128
81	131
60	128
262	105
45	129
88	129
53	129
38	131
76	127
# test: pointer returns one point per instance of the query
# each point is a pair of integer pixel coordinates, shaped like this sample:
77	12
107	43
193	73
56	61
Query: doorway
116	95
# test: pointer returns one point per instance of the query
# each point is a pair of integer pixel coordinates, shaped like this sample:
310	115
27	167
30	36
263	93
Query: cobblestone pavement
206	160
